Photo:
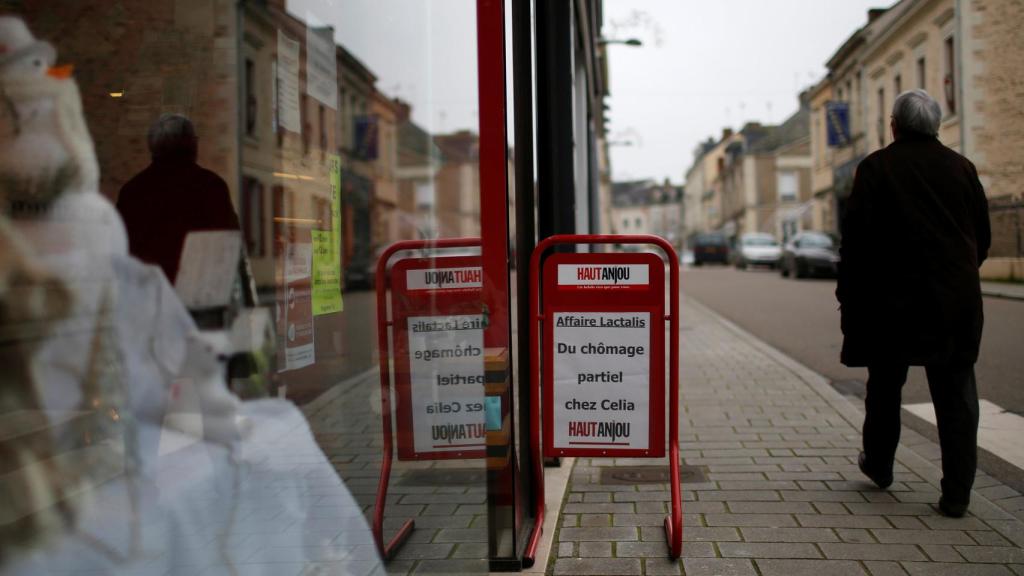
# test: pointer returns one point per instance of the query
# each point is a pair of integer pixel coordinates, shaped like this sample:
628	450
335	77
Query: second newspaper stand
603	368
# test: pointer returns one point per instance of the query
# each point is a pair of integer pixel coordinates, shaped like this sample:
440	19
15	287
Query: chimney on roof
874	13
805	99
403	109
726	133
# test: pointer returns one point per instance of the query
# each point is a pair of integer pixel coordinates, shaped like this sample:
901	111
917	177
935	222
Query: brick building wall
169	56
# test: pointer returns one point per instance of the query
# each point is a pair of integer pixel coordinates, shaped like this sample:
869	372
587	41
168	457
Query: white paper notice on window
209	263
321	67
288	116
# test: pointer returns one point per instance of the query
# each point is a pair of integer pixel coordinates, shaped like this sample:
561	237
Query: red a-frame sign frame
674	522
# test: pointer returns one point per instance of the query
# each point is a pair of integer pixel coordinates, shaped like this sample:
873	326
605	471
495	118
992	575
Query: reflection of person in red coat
172	197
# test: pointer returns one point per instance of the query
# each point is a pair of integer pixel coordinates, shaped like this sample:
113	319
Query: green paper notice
327	252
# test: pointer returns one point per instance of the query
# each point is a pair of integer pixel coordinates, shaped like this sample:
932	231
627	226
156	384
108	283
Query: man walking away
172	197
915	232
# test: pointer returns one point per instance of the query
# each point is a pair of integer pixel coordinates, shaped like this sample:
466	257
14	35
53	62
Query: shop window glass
218	400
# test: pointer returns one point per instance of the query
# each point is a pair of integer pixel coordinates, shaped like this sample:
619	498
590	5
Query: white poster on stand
321	70
602	380
446	361
288	116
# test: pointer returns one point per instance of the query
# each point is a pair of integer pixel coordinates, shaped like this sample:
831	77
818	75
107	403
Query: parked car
810	254
757	249
710	247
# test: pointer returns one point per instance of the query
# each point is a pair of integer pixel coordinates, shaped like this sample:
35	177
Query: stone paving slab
784	495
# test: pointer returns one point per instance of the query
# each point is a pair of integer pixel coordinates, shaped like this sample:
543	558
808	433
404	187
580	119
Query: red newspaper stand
434	301
604	360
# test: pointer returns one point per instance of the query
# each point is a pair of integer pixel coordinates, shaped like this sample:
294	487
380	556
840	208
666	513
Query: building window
304	123
920	73
897	84
625	223
276	106
323	213
638	223
789	186
252	216
343	114
881	117
856	110
322	129
278	215
949	82
250	98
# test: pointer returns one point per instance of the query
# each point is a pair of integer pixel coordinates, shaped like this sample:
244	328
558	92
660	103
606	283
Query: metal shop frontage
413	308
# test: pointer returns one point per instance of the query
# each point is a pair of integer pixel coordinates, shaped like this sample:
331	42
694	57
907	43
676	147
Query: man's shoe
882	482
952	510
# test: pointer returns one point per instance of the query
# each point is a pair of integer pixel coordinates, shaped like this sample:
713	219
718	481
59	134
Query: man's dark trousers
955	397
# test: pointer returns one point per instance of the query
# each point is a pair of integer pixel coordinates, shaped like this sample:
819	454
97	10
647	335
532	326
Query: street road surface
801	318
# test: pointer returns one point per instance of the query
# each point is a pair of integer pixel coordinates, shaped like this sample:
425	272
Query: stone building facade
703	188
648	207
991	57
766	180
968	55
822	200
916	49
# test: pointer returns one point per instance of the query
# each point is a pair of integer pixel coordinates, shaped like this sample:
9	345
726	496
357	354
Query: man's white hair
916	111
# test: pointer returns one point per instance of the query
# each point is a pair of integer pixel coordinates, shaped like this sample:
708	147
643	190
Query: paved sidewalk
447	498
1012	291
783	495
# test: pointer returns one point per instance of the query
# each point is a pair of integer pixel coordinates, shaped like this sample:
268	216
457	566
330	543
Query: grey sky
423	51
720	63
704	66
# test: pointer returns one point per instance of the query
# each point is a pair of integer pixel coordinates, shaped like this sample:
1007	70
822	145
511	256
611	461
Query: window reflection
211	390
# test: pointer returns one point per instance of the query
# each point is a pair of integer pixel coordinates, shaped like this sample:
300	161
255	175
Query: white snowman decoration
45	148
49	183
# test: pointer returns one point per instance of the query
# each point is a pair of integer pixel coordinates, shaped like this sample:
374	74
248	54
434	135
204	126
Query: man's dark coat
915	230
166	201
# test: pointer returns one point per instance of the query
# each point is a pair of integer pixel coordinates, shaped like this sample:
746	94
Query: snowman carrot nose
60	72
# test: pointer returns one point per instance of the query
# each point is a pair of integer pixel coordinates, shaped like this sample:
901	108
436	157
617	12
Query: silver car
757	249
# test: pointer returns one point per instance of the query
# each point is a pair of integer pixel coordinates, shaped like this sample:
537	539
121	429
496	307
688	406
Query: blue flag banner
366	137
837	123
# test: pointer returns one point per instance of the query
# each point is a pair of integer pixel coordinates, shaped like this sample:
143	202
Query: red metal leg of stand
674	523
386	551
530	554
